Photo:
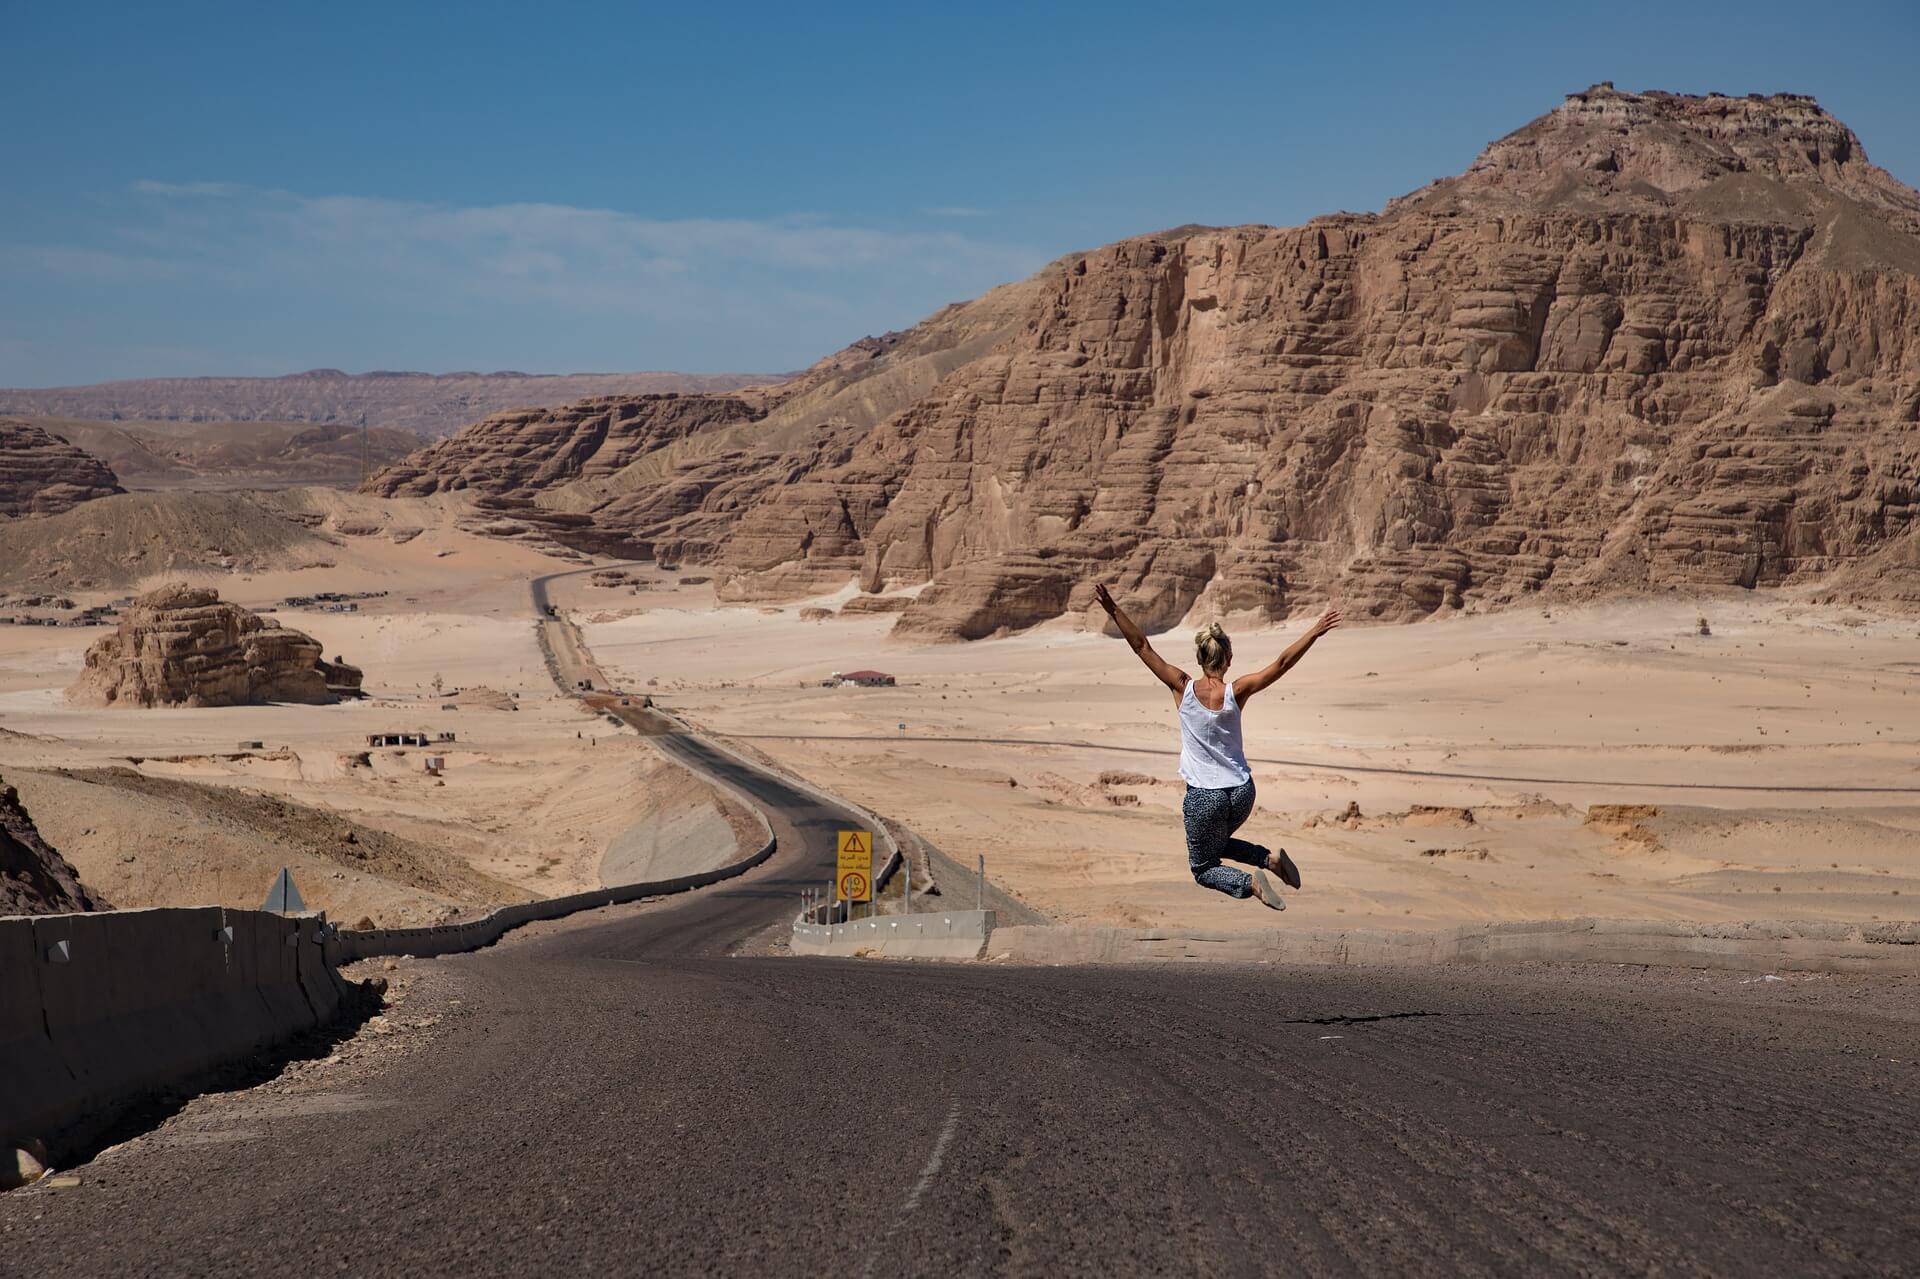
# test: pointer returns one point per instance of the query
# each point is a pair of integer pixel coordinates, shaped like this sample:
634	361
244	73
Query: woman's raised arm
1247	685
1171	676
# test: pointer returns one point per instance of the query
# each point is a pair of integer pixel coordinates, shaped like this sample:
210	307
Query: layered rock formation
181	646
1646	342
34	878
666	476
427	404
42	474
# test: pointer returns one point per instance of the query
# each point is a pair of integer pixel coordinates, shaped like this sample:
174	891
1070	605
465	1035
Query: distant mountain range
426	404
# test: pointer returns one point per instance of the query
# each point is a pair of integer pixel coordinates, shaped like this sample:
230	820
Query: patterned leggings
1212	816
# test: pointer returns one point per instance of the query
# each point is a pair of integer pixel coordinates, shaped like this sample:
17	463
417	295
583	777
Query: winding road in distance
627	1093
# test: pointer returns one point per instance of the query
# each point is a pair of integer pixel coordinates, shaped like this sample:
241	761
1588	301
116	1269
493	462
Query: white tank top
1211	756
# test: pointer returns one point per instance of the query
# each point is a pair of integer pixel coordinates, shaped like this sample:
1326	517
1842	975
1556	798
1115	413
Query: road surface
625	1093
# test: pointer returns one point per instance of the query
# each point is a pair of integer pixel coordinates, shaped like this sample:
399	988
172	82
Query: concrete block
77	998
277	967
34	1080
953	934
168	973
323	988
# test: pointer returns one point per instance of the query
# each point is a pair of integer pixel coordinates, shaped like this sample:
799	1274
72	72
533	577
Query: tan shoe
1288	872
1269	895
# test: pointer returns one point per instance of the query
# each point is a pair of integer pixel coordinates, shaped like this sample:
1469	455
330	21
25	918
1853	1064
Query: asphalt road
629	1093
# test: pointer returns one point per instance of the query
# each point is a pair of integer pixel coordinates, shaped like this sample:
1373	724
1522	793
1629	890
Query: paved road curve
621	1094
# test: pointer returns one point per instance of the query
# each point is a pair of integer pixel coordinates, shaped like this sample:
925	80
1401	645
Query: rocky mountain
209	456
182	646
667	476
115	542
34	878
430	404
41	474
1646	342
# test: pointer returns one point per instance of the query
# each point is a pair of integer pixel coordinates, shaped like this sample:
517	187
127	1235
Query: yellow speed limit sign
853	867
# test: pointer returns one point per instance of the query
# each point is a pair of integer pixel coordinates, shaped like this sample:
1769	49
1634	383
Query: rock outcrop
1646	342
34	878
667	477
531	450
42	474
181	646
342	678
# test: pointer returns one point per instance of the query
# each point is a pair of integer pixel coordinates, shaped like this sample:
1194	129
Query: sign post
853	868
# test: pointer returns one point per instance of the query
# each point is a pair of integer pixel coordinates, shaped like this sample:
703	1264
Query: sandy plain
1772	767
537	797
1774	763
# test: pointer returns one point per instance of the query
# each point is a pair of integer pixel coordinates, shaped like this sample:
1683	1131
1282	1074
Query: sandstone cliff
42	474
34	878
1646	342
667	476
181	646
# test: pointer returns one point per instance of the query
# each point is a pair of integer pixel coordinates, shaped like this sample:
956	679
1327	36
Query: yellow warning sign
853	866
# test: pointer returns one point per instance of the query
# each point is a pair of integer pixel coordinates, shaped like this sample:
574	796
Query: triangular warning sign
851	842
283	898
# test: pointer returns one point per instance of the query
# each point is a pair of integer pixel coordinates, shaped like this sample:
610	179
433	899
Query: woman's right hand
1106	600
1329	620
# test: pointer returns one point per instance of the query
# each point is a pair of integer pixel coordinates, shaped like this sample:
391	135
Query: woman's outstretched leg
1209	822
1248	853
1211	818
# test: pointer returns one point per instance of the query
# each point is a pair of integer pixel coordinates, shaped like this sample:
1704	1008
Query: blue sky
257	189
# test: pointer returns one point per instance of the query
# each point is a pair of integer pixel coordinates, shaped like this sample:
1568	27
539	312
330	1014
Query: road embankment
1757	946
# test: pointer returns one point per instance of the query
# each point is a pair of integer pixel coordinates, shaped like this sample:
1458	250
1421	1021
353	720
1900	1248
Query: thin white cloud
597	286
552	251
148	186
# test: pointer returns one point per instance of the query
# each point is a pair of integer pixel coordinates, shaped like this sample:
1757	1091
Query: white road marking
920	1187
932	1169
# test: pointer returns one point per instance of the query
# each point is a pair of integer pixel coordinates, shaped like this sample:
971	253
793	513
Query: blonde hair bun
1212	647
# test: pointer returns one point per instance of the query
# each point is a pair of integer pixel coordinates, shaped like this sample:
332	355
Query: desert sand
537	796
1772	763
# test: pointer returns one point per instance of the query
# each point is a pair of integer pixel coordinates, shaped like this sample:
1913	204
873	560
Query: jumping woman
1212	760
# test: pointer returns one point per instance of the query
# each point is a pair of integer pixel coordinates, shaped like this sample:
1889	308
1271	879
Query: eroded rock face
34	878
517	453
668	477
342	678
181	646
42	474
1646	341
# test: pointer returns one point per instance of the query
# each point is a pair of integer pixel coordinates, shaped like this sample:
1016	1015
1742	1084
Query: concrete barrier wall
97	1009
951	934
147	998
1764	946
449	939
138	999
